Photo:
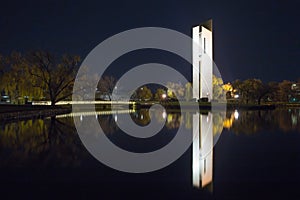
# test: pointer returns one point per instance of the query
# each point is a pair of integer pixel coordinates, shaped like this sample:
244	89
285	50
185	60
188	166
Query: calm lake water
257	155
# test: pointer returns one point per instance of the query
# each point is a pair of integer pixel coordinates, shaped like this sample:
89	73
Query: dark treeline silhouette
41	75
255	91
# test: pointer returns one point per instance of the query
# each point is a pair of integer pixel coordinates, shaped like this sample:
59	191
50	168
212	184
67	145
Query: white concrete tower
203	61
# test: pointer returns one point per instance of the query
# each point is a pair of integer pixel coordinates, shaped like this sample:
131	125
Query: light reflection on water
54	141
37	134
33	137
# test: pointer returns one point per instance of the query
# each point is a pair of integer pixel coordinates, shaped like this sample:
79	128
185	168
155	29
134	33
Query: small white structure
202	61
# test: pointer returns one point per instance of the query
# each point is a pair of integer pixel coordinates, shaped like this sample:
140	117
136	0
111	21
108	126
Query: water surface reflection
23	142
250	122
53	143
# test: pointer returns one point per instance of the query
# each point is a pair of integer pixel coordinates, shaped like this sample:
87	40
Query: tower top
207	24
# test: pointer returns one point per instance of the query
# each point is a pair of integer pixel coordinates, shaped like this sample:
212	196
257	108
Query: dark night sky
253	39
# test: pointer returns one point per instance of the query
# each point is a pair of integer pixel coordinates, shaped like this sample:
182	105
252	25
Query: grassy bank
10	112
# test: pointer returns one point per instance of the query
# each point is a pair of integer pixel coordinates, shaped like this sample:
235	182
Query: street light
236	96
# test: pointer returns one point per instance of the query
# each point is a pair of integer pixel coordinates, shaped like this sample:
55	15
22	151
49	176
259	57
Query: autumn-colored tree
175	90
159	94
55	76
228	89
16	79
143	93
218	91
188	94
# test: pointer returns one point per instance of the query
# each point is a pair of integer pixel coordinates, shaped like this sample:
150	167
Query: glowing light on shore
82	102
164	115
236	114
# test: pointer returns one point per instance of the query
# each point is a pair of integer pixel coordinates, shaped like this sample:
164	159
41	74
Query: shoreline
207	106
10	112
22	112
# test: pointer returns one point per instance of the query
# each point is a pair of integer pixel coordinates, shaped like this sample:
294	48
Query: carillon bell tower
203	60
202	89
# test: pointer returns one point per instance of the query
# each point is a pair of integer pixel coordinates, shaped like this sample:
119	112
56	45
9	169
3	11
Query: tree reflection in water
254	121
174	118
240	122
54	141
37	142
108	123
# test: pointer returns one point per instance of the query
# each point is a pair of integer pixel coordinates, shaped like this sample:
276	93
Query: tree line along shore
44	76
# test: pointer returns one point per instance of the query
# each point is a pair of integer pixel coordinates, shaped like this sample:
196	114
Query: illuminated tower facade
202	162
202	88
202	60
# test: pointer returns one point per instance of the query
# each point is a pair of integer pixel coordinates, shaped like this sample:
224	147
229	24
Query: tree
237	85
15	78
218	92
159	94
188	91
2	71
284	90
85	85
106	86
55	76
2	65
142	94
228	89
175	90
2	77
272	95
263	91
250	90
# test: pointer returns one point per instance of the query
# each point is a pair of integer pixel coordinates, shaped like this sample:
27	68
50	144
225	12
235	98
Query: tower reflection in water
202	162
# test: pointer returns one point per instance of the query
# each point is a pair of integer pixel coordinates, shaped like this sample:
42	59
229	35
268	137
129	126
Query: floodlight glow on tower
202	60
202	88
202	162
